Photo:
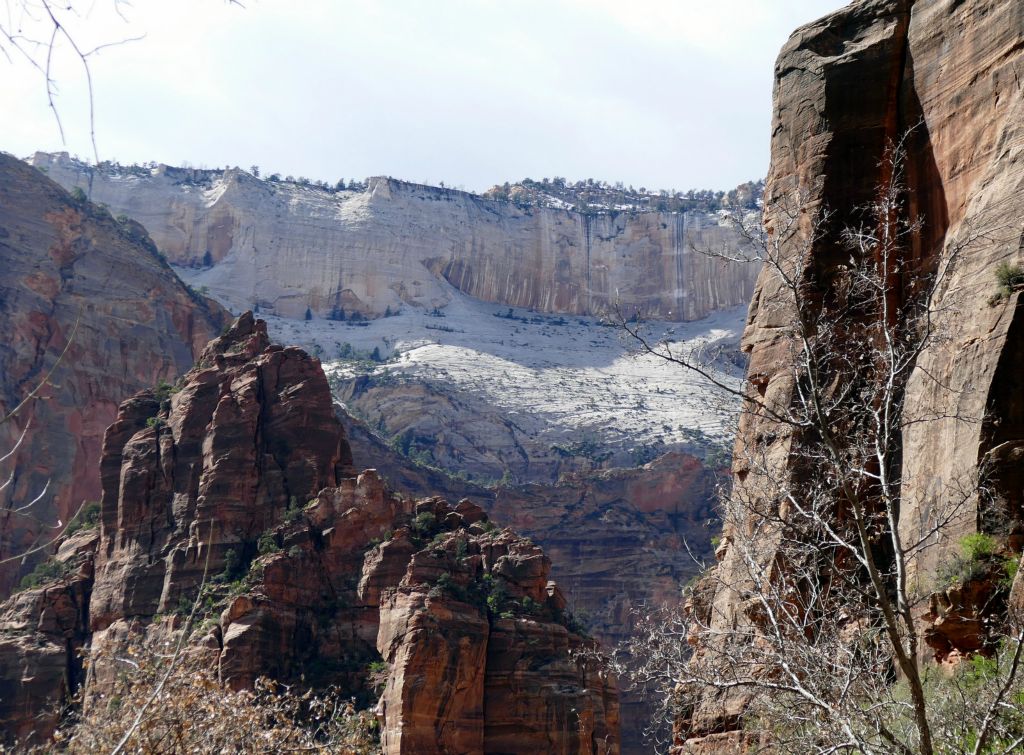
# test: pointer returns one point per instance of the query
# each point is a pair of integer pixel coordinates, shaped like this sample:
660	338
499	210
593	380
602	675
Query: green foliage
978	545
576	623
438	539
1009	276
267	544
497	595
358	357
446	585
156	422
184	607
78	195
45	571
1011	566
233	567
87	518
974	562
294	511
587	448
164	390
424	524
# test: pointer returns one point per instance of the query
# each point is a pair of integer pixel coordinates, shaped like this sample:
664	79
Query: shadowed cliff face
234	491
71	276
944	75
286	247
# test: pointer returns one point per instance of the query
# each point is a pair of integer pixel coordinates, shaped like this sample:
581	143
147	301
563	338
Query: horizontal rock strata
287	247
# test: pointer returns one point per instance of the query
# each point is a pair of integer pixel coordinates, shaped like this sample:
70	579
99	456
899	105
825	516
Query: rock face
205	469
238	482
620	539
846	85
287	247
74	277
42	631
615	537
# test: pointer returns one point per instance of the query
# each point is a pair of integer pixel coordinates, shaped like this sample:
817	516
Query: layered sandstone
618	539
77	282
286	247
944	75
232	495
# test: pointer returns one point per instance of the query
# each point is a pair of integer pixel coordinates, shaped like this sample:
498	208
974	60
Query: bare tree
812	626
34	32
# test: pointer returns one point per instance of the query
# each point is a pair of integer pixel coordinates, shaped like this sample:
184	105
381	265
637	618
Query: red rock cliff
950	70
65	262
237	483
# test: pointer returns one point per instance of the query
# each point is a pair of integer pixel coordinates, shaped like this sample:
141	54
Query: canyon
321	574
617	535
455	377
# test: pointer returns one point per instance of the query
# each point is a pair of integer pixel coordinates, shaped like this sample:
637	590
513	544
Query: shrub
196	714
45	571
978	545
973	562
445	585
424	523
294	511
87	518
267	544
1012	566
1009	276
233	568
78	195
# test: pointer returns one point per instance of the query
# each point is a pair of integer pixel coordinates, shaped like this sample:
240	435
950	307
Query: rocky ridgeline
73	277
285	246
235	488
618	539
946	77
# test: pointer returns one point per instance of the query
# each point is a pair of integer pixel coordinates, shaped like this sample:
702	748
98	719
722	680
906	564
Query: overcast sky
655	93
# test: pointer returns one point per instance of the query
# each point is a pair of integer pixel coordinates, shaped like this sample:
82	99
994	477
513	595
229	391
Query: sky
664	94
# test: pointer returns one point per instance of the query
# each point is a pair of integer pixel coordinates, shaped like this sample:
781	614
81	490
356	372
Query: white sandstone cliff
285	246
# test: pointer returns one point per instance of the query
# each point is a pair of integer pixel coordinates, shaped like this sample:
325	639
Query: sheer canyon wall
946	77
285	247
